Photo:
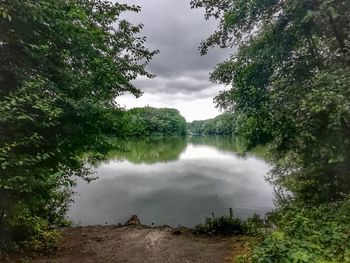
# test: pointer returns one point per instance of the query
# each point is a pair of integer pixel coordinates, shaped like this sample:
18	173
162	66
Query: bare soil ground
137	244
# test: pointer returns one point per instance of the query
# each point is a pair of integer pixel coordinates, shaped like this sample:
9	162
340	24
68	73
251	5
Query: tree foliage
223	124
62	63
150	121
290	81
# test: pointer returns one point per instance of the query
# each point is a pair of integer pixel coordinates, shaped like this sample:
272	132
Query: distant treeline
149	121
220	125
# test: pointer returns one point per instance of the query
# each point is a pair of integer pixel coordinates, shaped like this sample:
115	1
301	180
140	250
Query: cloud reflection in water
202	180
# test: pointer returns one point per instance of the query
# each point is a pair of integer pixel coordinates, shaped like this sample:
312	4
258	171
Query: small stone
133	221
176	232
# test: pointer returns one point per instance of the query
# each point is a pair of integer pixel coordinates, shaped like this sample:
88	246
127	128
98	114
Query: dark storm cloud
176	30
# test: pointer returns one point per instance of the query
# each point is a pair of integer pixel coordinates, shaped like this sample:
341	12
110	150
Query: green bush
308	234
228	224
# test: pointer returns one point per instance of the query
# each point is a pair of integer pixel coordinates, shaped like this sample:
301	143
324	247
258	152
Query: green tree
62	63
223	124
149	121
290	86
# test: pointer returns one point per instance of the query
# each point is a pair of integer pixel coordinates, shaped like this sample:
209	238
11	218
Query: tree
63	62
290	87
149	121
222	124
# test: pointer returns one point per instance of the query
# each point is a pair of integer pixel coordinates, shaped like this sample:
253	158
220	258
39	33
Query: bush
25	230
308	234
228	224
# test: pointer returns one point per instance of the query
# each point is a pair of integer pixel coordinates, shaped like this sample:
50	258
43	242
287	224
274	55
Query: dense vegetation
220	125
229	224
61	66
150	121
318	233
290	90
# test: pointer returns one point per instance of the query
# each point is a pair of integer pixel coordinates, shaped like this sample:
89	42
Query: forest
63	64
223	124
150	121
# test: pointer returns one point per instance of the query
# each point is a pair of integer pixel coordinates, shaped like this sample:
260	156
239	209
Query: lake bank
138	243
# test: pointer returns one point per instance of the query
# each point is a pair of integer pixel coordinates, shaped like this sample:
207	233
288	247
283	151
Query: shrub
228	224
308	234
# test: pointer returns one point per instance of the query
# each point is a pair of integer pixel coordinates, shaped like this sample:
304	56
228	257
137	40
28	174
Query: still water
174	181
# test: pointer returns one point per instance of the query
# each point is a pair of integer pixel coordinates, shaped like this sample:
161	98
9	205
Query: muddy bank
136	243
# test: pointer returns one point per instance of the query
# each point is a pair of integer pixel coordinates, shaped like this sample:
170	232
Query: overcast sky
176	30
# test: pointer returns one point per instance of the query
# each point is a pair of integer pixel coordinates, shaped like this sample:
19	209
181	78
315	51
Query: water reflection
174	182
227	144
150	150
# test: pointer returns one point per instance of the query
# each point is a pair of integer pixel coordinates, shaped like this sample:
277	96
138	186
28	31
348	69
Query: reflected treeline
149	150
227	143
165	149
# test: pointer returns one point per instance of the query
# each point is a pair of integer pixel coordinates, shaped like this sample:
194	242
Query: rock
179	230
133	221
176	232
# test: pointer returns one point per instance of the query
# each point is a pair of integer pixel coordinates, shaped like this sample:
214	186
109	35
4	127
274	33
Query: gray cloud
176	30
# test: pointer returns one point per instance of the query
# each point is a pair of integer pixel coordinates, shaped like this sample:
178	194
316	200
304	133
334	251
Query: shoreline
134	242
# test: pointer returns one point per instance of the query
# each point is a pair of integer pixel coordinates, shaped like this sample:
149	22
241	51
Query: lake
174	181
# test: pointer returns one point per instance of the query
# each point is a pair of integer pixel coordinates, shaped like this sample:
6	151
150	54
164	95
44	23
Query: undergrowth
229	224
315	234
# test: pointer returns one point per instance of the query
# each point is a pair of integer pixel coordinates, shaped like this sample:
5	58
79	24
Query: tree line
223	124
149	121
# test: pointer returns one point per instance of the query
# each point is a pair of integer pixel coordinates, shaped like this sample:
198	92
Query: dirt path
137	244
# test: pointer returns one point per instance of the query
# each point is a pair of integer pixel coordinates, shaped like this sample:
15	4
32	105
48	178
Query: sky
182	74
